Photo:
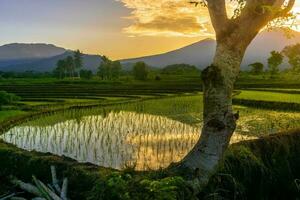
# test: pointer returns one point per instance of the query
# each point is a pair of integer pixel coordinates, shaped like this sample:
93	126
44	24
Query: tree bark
219	119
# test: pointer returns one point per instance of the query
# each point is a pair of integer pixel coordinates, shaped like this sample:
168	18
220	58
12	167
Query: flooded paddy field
143	135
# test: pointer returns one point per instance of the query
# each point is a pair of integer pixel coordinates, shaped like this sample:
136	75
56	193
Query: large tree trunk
219	119
233	37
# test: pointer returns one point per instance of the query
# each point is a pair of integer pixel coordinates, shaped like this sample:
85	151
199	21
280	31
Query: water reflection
117	140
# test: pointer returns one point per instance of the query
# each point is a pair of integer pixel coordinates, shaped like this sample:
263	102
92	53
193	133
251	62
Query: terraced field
147	134
141	126
48	95
99	89
7	114
276	95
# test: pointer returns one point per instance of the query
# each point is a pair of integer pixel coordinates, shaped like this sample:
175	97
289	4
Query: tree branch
288	8
218	15
256	15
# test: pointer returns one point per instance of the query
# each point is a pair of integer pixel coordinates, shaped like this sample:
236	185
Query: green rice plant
269	96
113	140
147	134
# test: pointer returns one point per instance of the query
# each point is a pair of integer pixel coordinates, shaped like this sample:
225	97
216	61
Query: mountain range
201	53
43	57
39	58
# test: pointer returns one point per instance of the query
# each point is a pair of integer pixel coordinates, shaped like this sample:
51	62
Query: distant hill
18	51
201	53
90	62
43	57
39	58
198	54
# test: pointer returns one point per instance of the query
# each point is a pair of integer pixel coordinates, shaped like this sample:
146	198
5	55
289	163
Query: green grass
277	89
259	122
268	96
4	115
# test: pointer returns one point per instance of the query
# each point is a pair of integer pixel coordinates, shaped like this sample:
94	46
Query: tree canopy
70	65
78	63
257	68
293	54
109	69
249	16
274	61
7	98
140	71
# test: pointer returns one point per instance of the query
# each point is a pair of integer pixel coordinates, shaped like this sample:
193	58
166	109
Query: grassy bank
6	114
267	168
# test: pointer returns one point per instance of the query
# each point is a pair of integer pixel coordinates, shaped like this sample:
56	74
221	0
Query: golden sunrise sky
116	28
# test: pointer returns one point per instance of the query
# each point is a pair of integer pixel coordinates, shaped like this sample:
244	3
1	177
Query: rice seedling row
145	135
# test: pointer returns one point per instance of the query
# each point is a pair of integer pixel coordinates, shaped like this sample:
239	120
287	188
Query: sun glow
176	19
296	25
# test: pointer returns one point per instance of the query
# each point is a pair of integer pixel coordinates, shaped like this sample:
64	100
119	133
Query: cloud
167	18
172	18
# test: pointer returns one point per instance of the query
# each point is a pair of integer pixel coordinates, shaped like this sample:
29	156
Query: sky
116	28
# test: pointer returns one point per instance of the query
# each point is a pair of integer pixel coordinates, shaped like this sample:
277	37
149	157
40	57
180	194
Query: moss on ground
88	181
23	165
260	169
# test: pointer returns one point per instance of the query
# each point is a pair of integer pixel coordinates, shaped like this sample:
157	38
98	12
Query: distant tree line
71	67
292	53
112	70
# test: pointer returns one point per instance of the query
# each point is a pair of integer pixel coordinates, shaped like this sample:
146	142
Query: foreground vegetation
264	168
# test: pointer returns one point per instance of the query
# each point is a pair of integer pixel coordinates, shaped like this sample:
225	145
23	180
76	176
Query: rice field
5	114
145	135
278	89
116	139
269	96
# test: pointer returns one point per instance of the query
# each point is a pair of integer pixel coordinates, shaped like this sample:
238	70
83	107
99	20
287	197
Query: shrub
123	186
7	98
140	71
181	69
257	68
170	188
114	187
157	78
86	74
